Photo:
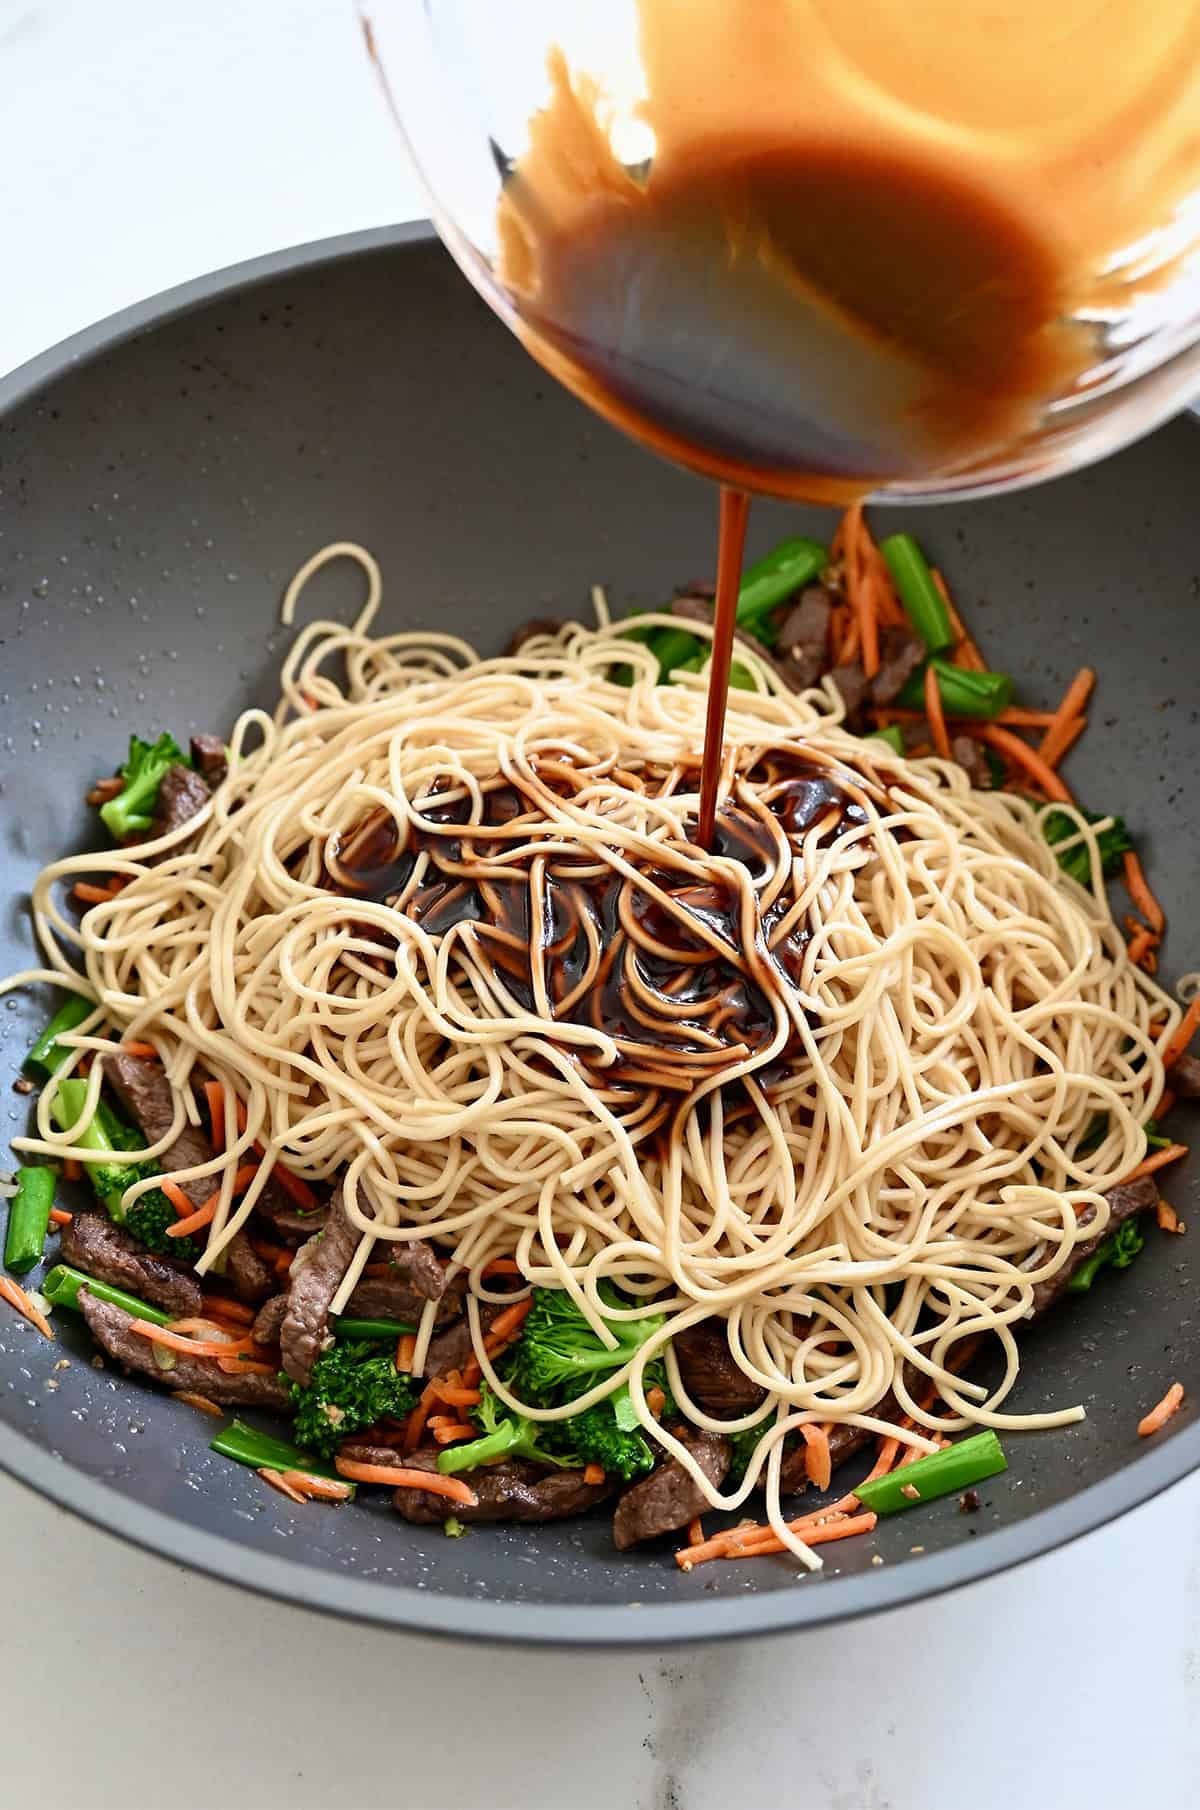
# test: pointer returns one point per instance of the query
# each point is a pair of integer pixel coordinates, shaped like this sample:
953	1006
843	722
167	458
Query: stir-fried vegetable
48	1054
354	1384
132	810
1116	1252
29	1218
982	695
62	1284
262	1452
149	1216
923	603
940	1474
1114	843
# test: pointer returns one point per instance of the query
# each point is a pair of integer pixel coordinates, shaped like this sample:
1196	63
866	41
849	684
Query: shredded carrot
1139	891
506	1325
414	1426
15	1295
177	1197
299	1190
966	653
214	1093
175	1341
1168	1218
1078	692
1182	1035
818	1464
60	1217
406	1346
191	1400
400	1477
193	1219
1158	1159
888	1452
593	1475
501	1266
1158	1416
277	1481
72	1169
859	588
324	1489
94	895
851	640
146	1051
232	1310
195	1222
1069	737
935	713
1140	949
695	1532
104	789
454	1394
1024	756
447	1432
755	1542
656	1401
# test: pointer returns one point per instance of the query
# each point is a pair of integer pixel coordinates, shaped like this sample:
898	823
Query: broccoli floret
608	1434
1117	1252
108	1133
742	1447
558	1356
354	1384
503	1435
1114	842
147	1221
132	810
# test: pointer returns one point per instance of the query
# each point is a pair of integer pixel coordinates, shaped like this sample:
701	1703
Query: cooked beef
110	1327
506	1492
973	761
181	793
269	1320
1124	1201
450	1349
691	608
852	685
900	654
537	625
1184	1077
315	1280
803	642
209	758
416	1275
93	1243
703	588
144	1091
710	1375
250	1278
668	1499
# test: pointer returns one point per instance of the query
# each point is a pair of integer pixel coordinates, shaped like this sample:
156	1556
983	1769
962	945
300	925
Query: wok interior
156	501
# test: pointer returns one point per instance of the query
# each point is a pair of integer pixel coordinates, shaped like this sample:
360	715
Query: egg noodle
838	1089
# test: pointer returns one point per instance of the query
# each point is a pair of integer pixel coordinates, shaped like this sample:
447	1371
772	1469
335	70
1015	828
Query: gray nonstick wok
161	476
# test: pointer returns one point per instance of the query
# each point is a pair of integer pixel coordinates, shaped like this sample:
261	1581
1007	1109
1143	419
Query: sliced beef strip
852	684
450	1350
315	1280
144	1091
250	1278
1125	1200
668	1499
110	1327
1184	1077
416	1276
209	758
507	1492
900	654
803	642
690	608
181	794
973	761
710	1375
537	625
269	1320
93	1243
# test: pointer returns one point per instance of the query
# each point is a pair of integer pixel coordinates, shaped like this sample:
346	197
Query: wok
162	475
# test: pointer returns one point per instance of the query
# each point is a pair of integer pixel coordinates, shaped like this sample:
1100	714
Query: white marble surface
143	142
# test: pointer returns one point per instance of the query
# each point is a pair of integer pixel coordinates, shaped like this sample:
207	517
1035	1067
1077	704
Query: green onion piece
262	1452
672	646
959	1466
47	1056
923	603
793	563
1154	1136
453	1528
975	694
893	736
62	1284
346	1327
29	1218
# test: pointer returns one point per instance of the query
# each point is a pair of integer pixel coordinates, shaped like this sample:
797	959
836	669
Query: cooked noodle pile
444	933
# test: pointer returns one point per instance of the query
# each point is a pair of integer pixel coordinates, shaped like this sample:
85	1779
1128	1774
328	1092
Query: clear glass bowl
464	78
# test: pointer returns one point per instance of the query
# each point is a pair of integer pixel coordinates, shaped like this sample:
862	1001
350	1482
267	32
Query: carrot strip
695	1532
174	1341
860	589
177	1197
146	1051
447	1432
400	1477
299	1190
851	641
1024	756
110	787
232	1310
840	1527
1138	888
406	1346
60	1217
72	1169
656	1401
94	895
1182	1035
277	1481
1157	1160
15	1295
818	1464
593	1475
501	1266
214	1093
1168	1218
888	1451
1158	1416
935	713
191	1400
454	1394
966	653
324	1489
195	1222
1052	746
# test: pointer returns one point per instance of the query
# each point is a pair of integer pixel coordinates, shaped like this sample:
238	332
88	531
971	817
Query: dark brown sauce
682	971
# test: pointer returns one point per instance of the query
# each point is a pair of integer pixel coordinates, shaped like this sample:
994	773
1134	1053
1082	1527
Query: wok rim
821	1603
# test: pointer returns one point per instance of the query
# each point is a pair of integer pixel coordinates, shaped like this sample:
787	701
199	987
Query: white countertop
143	143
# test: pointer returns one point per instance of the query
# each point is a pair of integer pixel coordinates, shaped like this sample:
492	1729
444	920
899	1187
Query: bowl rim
628	1625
